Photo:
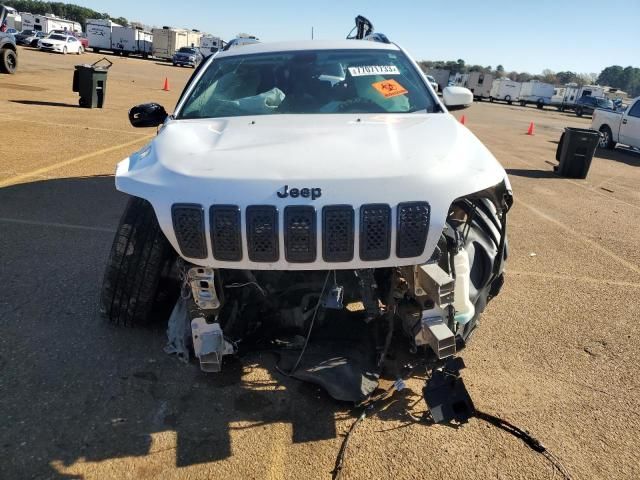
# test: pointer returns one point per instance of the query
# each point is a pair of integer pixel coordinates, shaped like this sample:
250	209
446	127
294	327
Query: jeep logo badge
312	193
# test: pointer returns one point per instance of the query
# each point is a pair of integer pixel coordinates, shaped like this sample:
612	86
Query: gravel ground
555	354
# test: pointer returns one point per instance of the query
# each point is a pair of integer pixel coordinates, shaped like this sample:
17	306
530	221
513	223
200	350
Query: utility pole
311	33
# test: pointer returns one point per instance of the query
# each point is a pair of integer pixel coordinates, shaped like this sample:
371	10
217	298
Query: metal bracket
201	280
209	344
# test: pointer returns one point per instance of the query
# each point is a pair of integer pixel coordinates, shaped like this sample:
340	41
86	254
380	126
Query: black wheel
8	61
491	99
139	258
523	103
540	105
579	111
508	99
606	138
96	50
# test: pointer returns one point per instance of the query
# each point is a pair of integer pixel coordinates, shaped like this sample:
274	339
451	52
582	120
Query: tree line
626	79
64	10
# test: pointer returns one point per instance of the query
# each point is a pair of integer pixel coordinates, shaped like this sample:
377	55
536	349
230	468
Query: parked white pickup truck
618	127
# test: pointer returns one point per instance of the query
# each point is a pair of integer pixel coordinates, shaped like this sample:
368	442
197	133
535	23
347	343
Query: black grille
300	234
262	233
226	239
188	224
337	231
413	226
375	231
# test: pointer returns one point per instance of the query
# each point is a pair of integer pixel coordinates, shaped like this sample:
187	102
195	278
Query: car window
634	111
309	82
57	37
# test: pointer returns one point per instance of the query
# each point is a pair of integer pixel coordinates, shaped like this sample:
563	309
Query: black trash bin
575	152
90	81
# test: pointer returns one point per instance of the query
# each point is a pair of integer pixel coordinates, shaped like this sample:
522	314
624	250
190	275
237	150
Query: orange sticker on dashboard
389	88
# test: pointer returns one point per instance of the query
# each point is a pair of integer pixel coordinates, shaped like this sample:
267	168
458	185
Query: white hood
353	159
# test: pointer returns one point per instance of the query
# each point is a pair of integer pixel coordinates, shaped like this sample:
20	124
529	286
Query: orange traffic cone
532	129
463	120
166	84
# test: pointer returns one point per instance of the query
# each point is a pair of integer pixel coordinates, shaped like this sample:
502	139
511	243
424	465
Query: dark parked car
586	105
190	56
8	50
29	38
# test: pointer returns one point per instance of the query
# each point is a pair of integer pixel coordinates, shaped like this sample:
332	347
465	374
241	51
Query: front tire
8	61
64	51
606	140
139	256
579	111
80	51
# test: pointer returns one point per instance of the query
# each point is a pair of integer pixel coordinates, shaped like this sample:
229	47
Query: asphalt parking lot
556	354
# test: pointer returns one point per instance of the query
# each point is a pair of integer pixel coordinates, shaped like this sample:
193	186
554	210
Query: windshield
308	82
187	50
27	32
57	37
605	103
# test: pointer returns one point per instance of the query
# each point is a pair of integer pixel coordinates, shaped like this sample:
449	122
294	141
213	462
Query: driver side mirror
147	115
457	97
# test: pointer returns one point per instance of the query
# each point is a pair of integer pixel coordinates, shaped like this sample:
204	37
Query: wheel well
9	46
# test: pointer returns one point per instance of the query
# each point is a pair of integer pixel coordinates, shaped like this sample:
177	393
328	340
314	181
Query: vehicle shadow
44	104
76	388
624	155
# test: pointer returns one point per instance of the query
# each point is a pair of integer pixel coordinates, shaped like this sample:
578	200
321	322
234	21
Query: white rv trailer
167	40
566	97
441	76
13	19
506	90
210	45
536	92
131	40
48	23
480	84
99	32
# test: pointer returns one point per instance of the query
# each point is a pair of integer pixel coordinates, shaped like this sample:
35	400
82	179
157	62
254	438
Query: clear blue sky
582	36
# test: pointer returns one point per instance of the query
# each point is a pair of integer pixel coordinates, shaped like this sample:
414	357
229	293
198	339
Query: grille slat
413	226
188	225
300	234
226	239
262	233
337	233
375	231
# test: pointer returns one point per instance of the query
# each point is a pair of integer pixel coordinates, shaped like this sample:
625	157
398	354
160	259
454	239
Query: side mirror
457	97
147	115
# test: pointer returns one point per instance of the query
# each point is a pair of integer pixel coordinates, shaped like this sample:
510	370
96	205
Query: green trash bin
575	152
90	81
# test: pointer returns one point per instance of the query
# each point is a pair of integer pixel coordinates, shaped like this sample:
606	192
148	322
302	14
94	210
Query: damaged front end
342	329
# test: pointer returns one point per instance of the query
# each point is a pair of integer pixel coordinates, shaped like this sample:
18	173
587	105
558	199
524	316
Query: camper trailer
167	40
131	40
505	90
210	45
48	23
99	33
441	76
536	92
13	19
480	84
565	97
